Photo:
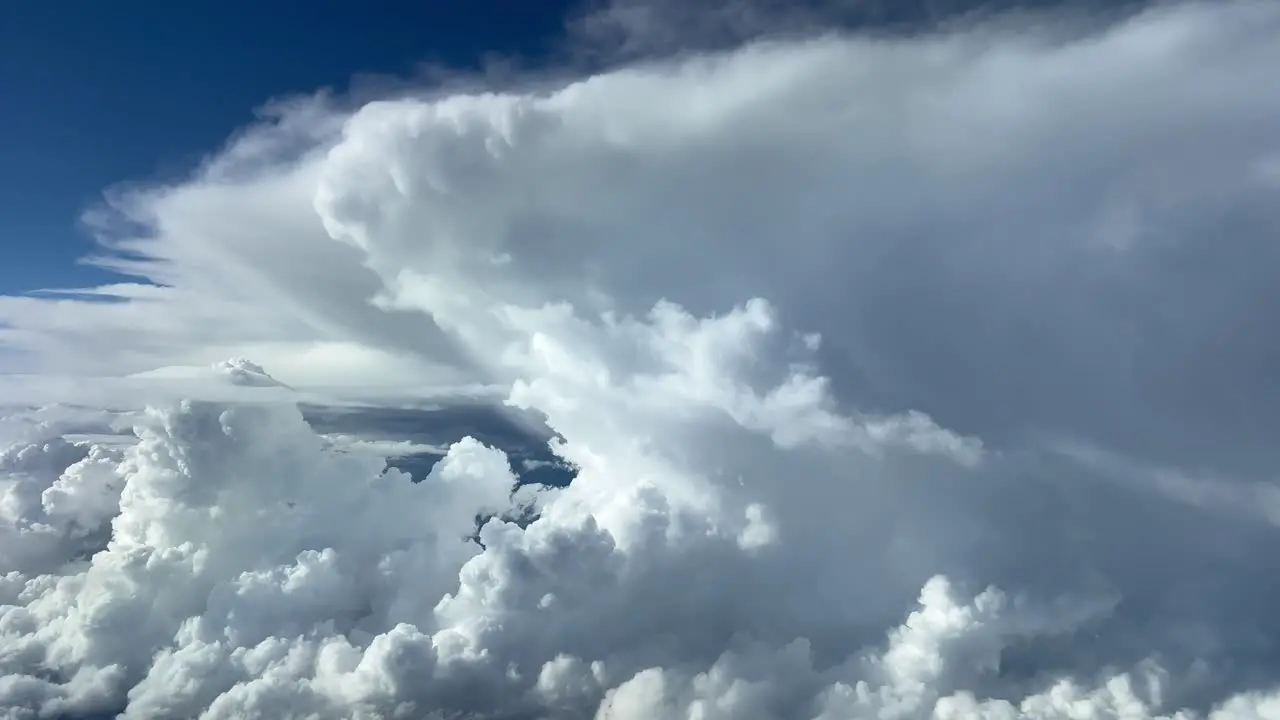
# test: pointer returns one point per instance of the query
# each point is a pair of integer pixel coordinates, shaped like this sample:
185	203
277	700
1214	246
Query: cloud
900	377
952	166
614	31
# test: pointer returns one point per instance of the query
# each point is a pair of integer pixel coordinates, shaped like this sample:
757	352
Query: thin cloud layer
902	378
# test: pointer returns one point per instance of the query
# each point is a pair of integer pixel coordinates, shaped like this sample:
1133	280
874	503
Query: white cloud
996	238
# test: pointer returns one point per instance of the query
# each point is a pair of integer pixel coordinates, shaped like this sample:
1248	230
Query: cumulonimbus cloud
916	377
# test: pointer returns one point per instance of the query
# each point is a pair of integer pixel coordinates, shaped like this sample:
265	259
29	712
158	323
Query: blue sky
96	93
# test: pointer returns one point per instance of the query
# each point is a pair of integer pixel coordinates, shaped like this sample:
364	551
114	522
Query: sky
103	93
736	361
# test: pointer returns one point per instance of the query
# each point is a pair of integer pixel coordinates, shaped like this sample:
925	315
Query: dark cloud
609	31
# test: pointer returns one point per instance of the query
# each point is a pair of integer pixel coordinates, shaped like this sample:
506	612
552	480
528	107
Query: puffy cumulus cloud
225	554
901	378
237	371
247	569
1005	231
